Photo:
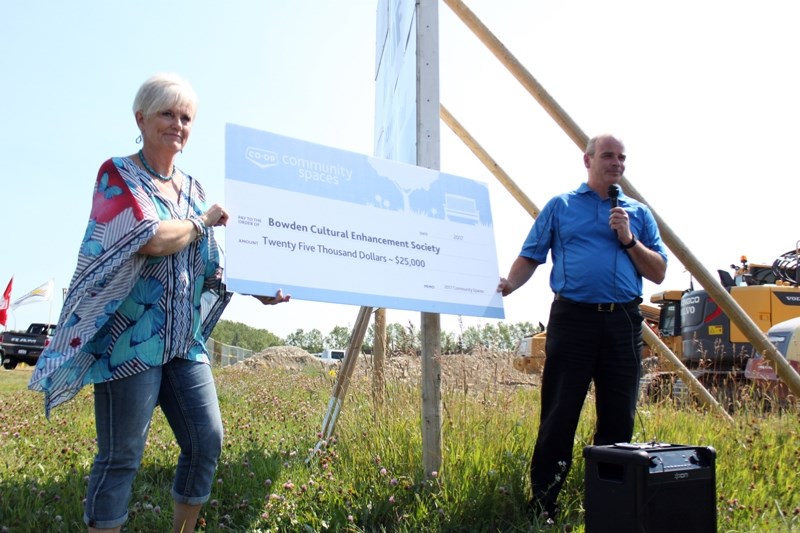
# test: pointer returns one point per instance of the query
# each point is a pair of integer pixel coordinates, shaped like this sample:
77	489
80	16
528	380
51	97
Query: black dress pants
584	345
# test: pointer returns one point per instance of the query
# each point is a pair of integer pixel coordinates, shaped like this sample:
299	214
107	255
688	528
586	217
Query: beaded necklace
153	172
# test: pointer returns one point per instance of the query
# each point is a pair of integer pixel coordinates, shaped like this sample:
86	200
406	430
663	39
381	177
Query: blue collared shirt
589	264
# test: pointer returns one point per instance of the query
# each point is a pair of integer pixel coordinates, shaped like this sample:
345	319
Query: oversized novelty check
334	226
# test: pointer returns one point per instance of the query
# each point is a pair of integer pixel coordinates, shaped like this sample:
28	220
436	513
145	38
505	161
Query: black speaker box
650	488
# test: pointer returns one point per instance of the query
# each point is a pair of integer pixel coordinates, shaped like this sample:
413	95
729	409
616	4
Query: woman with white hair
144	298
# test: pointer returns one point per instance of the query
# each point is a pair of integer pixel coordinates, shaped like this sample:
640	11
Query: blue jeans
123	411
584	346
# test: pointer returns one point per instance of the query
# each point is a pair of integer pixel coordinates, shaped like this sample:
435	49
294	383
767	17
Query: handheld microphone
613	194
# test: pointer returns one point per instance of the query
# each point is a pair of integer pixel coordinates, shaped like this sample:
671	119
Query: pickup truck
25	347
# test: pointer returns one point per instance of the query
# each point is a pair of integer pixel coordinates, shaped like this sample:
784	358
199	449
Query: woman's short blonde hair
162	91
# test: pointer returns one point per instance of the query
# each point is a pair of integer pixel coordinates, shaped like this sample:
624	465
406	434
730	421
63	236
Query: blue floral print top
126	312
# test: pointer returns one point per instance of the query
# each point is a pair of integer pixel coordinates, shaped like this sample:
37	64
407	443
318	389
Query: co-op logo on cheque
308	170
260	157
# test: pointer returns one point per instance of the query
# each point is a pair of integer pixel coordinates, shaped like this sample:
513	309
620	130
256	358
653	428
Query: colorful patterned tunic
126	312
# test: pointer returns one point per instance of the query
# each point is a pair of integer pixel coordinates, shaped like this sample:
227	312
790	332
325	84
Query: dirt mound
287	357
466	372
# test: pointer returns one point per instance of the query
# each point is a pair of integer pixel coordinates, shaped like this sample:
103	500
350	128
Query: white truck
331	355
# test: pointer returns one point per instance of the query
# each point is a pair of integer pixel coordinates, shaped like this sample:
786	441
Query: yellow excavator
694	327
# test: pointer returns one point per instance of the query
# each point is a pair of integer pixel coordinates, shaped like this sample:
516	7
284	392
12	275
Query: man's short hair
591	146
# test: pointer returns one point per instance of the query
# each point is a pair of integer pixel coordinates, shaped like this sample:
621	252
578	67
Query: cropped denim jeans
124	408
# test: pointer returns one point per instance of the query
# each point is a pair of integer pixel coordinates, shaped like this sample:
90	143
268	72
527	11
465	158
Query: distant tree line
400	340
243	336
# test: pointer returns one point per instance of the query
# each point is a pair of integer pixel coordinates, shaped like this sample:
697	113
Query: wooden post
431	394
489	162
428	156
695	387
379	357
700	273
518	71
723	298
345	372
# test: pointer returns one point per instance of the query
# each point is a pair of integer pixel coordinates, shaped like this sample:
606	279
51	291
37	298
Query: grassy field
15	380
368	477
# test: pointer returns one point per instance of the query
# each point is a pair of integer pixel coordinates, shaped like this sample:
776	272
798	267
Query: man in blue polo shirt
600	254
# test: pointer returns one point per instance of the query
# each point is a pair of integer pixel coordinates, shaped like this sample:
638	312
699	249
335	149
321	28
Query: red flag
5	302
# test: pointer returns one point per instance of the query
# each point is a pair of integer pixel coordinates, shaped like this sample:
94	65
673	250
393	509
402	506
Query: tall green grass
276	474
15	380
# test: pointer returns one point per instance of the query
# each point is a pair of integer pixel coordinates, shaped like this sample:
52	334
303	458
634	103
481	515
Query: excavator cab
669	320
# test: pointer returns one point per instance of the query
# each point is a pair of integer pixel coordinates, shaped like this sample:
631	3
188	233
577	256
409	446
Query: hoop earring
139	139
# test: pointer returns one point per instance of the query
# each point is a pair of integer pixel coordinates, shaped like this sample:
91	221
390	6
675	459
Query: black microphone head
613	191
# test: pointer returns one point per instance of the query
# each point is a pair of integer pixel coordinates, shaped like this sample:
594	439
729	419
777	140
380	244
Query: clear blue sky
705	95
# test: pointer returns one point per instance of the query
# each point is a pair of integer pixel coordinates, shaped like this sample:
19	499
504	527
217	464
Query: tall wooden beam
695	387
428	156
681	251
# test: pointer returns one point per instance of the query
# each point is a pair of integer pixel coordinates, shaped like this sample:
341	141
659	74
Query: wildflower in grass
267	482
349	518
393	482
214	504
288	485
383	471
434	474
157	509
391	499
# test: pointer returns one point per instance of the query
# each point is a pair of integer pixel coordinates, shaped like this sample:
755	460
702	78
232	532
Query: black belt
604	307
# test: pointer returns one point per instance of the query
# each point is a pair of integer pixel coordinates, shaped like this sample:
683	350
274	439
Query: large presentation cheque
334	226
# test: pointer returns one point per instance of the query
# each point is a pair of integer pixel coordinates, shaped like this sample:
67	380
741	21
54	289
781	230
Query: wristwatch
630	244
